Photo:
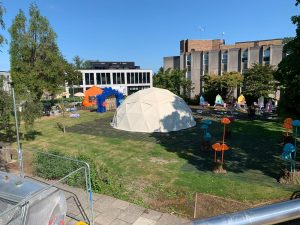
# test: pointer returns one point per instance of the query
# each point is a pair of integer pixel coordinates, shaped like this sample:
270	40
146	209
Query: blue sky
145	31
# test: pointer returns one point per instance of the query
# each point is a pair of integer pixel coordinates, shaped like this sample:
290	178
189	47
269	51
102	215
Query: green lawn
164	171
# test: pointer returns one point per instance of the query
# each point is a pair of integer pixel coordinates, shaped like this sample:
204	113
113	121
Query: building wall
200	45
172	62
276	54
254	55
196	48
234	59
214	62
196	71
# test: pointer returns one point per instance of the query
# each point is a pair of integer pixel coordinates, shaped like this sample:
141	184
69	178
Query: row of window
117	78
224	60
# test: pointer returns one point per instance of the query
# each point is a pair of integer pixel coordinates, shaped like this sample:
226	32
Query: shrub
103	180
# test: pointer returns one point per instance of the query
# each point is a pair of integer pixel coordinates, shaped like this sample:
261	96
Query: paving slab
144	221
112	211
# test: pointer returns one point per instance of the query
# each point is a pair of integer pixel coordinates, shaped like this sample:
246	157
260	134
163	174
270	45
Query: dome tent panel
153	110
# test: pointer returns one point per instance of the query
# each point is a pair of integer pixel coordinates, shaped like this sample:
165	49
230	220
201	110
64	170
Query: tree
86	64
2	25
288	72
5	107
78	62
36	62
173	80
259	81
223	85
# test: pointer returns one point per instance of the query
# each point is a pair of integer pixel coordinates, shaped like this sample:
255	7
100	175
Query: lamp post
20	156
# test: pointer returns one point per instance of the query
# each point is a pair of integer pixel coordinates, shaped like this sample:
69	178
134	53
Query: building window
266	56
205	63
144	78
89	78
114	78
244	61
140	77
128	78
224	61
118	78
122	78
148	77
92	78
103	78
108	78
132	78
188	62
136	78
98	78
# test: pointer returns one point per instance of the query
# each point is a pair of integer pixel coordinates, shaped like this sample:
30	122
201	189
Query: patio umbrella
79	94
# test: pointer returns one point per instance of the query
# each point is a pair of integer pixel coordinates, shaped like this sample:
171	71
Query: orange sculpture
90	96
287	124
217	147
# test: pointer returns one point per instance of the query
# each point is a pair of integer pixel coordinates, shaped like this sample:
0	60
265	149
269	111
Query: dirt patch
208	206
162	161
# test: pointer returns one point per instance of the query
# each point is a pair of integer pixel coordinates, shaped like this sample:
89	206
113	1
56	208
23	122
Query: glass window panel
114	78
148	77
132	78
87	78
122	78
136	78
98	78
108	81
118	78
92	78
144	78
128	78
140	77
103	78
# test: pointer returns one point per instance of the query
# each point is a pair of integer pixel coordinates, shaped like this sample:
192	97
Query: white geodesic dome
153	110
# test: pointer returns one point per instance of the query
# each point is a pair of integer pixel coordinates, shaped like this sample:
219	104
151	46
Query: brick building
200	57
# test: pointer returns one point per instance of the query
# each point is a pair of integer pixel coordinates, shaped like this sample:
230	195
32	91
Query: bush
103	180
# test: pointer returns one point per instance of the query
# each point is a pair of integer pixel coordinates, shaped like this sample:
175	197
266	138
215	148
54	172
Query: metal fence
78	199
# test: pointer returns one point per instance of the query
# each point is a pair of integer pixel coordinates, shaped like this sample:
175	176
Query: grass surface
164	171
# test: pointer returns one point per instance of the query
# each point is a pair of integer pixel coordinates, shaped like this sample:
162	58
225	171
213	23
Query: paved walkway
112	211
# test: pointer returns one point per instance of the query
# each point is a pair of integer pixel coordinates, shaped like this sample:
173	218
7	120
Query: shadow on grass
254	145
31	135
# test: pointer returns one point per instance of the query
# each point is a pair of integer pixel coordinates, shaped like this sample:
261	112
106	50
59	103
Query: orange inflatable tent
90	96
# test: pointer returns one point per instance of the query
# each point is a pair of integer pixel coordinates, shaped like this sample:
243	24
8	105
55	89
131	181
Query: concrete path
112	211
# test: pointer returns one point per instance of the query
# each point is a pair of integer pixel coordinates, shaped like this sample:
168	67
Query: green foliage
36	62
77	62
103	180
288	72
173	80
2	25
259	81
37	65
223	85
86	64
32	110
5	108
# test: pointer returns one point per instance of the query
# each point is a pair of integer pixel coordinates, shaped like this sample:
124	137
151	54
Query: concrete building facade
201	57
